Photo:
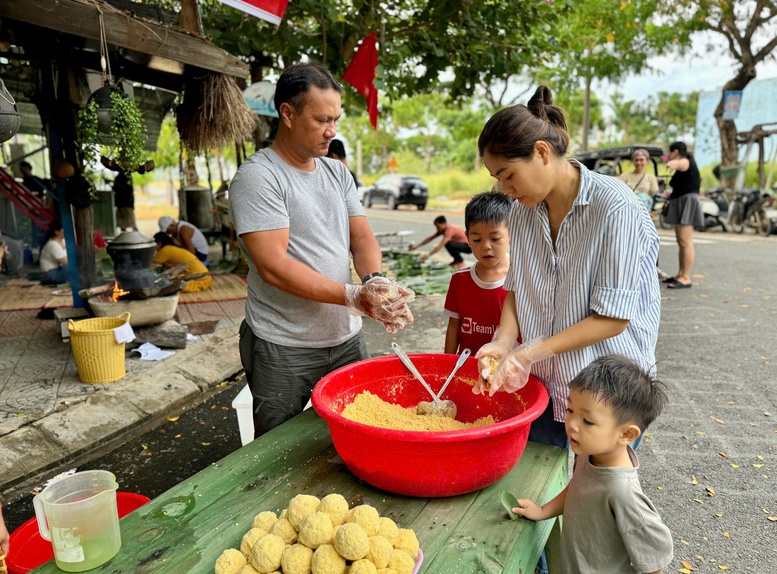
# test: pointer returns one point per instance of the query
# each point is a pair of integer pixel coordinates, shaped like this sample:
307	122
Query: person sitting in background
641	182
337	151
53	256
168	255
37	186
186	235
3	250
454	239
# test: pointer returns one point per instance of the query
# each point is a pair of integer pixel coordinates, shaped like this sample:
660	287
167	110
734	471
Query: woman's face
640	162
525	180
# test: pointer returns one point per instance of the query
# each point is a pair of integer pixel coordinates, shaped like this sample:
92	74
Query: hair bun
537	103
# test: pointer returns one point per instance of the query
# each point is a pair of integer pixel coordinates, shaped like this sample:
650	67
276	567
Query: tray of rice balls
323	536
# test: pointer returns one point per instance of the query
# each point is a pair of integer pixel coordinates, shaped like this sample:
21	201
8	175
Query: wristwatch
371	275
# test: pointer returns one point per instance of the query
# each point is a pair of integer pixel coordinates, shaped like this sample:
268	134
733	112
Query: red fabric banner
360	73
270	10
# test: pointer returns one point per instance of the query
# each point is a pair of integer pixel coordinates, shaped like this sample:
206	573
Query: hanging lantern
10	119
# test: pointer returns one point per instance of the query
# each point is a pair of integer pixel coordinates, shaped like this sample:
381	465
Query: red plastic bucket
30	550
427	464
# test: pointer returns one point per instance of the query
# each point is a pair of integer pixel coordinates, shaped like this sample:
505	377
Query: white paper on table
124	333
150	352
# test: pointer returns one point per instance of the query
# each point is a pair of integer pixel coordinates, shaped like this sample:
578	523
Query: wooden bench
185	529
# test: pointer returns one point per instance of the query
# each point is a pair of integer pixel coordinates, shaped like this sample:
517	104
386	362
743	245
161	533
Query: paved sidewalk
49	418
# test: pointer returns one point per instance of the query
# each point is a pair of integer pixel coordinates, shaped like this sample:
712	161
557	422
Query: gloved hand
514	370
383	300
489	356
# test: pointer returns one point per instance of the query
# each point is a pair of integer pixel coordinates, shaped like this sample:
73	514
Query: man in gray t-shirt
299	221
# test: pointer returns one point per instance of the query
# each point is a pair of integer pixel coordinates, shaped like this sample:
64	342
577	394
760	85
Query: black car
394	190
608	161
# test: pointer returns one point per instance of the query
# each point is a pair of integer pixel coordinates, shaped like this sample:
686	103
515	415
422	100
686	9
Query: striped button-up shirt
604	262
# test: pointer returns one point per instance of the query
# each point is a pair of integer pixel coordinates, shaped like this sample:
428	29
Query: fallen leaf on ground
206	444
693	480
745	306
727	535
173	419
759	457
772	518
709	490
686	565
723	454
717	420
734	465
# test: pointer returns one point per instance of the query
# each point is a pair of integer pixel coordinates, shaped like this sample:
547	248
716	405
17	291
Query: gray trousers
282	378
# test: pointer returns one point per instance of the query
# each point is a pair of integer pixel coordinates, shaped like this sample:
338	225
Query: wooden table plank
186	528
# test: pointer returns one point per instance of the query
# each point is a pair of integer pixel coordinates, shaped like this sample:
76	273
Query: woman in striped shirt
583	253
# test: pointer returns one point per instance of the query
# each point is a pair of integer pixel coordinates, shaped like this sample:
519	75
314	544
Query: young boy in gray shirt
610	525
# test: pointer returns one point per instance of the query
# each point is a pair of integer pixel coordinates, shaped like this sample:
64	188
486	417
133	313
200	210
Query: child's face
489	242
592	427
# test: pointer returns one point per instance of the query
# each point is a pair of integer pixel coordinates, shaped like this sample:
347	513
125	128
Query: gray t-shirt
610	526
266	194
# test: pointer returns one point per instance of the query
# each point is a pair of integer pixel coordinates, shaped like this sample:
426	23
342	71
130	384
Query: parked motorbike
661	205
749	210
714	206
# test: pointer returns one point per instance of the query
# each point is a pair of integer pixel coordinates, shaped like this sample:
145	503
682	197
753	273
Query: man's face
315	125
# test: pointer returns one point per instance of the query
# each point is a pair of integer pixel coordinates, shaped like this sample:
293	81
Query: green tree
659	120
748	28
605	40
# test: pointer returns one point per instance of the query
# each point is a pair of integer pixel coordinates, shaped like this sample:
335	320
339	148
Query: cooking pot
10	119
132	253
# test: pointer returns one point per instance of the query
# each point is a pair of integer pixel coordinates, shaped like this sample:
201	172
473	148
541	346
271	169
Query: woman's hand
513	372
489	357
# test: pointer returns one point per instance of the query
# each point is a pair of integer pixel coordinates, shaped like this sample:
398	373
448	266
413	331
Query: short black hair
440	220
489	207
163	238
625	387
681	148
337	148
23	164
296	81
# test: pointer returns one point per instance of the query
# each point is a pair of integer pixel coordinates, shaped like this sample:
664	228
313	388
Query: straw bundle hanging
213	113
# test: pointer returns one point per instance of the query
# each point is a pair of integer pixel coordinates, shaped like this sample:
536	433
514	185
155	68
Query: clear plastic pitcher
78	514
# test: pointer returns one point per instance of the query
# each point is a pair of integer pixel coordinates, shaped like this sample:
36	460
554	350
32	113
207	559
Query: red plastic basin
420	463
30	550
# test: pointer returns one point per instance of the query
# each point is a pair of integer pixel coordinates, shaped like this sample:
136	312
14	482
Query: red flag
270	10
360	73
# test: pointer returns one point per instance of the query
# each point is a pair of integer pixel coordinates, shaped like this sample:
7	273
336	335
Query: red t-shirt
478	307
455	234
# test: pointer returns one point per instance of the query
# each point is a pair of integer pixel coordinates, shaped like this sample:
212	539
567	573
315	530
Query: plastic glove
514	370
489	356
383	300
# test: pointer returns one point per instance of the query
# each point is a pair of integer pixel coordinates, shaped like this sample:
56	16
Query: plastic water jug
79	515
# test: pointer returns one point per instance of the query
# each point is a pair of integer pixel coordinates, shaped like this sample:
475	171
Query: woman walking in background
684	210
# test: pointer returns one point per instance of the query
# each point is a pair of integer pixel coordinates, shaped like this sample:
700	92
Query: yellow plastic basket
99	358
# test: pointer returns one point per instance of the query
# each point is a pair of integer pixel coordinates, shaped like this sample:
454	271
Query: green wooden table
185	529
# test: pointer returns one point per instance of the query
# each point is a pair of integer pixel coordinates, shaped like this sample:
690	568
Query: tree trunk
586	113
189	17
87	270
729	152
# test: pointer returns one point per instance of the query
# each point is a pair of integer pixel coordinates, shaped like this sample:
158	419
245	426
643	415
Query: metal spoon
409	364
462	359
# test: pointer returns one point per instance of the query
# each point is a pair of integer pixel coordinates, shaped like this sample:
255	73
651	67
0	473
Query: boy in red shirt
475	296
